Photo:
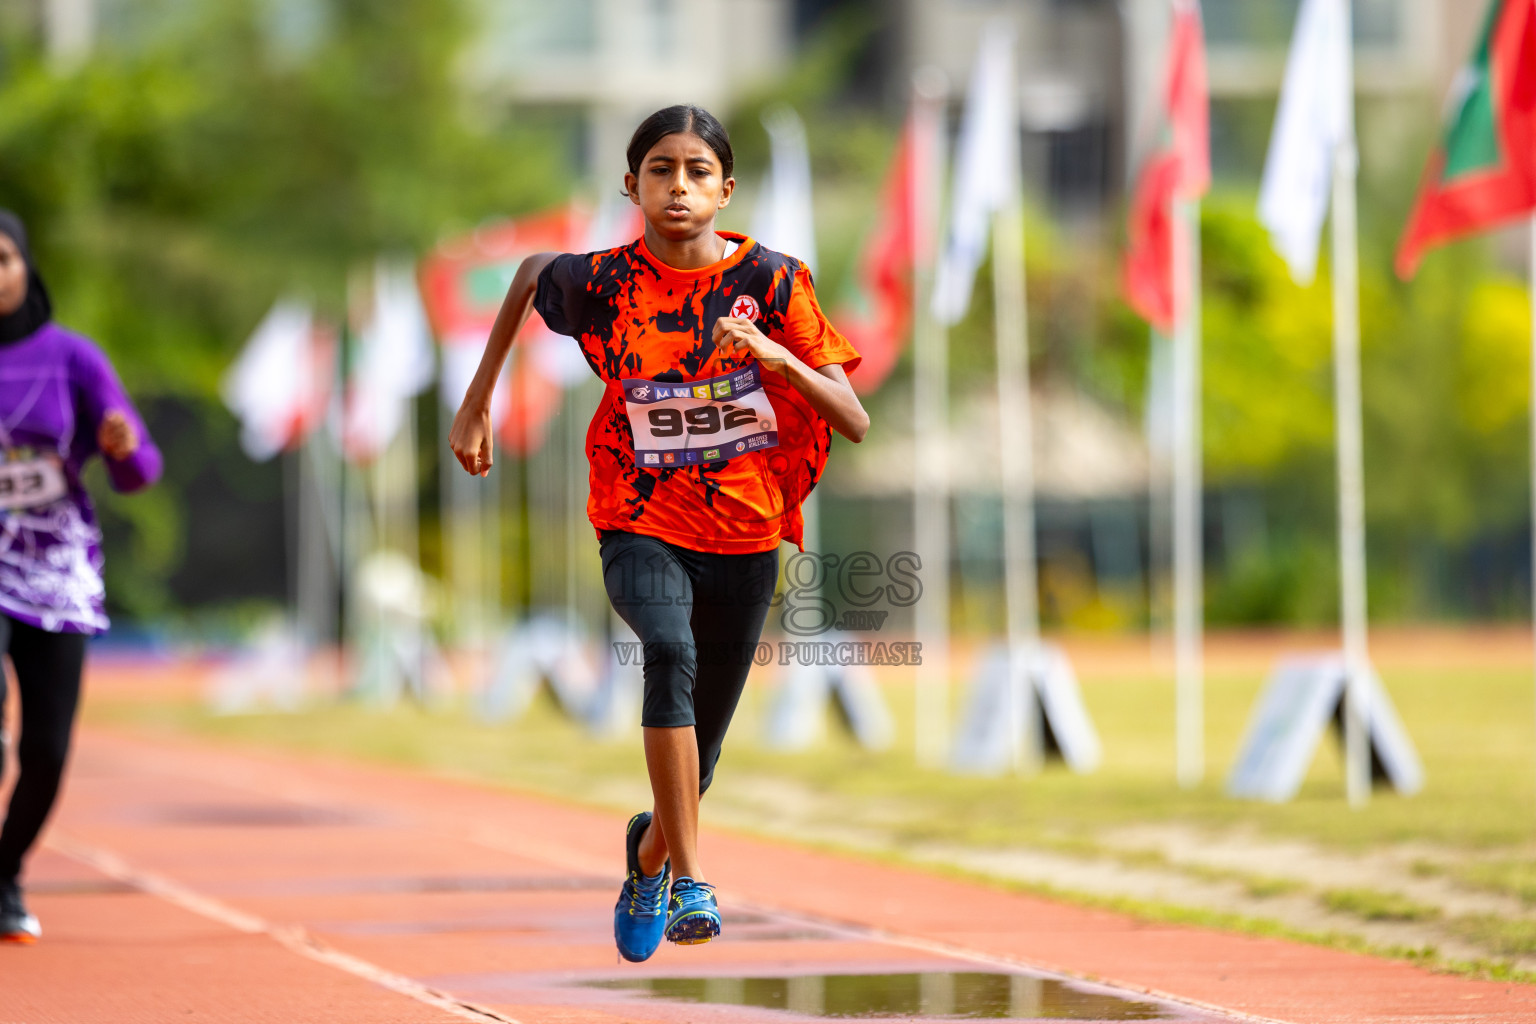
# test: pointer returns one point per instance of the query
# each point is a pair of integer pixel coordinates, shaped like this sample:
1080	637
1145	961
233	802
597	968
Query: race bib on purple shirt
31	483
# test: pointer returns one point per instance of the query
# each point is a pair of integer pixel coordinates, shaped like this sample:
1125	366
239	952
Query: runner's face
13	277
680	187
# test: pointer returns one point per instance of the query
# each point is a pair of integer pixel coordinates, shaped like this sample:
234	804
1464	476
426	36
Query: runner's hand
470	438
738	335
116	437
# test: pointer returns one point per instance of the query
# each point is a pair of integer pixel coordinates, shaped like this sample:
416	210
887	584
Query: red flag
1149	247
1188	100
877	317
1180	169
1484	170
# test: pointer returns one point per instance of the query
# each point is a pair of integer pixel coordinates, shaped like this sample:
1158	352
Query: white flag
986	178
277	387
782	219
394	363
1316	115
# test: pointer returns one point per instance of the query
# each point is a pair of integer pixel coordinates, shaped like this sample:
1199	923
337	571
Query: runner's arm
132	460
471	436
826	388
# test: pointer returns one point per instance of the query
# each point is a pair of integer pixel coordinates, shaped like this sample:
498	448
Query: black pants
699	617
48	667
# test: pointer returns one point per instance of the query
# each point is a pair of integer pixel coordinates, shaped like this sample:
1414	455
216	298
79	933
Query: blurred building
612	62
1089	69
1090	72
1406	53
1072	93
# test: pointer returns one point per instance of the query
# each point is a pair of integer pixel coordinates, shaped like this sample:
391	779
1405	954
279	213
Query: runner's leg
731	599
48	667
652	592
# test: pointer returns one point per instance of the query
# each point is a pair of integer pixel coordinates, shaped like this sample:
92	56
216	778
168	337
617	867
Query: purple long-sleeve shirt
55	389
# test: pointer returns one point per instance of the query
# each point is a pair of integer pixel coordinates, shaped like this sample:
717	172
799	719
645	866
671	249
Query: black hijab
36	309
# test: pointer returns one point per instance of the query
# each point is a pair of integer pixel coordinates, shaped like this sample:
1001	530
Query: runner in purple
60	404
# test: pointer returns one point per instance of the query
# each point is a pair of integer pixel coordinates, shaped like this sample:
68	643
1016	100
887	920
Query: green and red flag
463	282
1484	170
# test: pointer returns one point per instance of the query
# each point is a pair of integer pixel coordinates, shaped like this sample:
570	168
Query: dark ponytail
684	118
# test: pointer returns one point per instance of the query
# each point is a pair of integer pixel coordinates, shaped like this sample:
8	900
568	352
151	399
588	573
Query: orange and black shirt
639	320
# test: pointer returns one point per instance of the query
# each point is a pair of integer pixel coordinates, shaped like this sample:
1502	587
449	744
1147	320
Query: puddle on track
967	995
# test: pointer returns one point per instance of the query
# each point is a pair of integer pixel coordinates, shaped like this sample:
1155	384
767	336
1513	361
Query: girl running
60	404
724	381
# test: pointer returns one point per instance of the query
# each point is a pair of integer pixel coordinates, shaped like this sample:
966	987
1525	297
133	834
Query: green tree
178	185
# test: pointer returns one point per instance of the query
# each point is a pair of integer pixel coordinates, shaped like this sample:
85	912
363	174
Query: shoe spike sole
693	930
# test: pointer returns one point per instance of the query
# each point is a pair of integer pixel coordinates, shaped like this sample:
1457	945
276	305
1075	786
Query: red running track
183	882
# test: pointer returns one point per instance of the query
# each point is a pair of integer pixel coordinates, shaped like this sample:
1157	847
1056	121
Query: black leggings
699	617
48	667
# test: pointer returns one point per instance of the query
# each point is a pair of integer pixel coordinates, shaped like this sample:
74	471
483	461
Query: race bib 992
686	423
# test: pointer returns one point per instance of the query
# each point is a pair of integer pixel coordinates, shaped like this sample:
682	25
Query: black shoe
16	925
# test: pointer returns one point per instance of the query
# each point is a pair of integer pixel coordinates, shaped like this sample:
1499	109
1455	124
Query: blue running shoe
638	920
693	916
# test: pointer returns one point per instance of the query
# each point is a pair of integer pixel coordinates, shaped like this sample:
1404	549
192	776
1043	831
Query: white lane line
292	937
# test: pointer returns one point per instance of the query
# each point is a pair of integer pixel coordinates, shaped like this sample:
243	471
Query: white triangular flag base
798	717
1046	688
1303	697
615	707
393	647
270	674
543	652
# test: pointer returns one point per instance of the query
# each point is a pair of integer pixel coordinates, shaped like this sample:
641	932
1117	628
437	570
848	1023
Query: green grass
1510	877
1263	888
1423	868
1473	731
1503	936
1376	905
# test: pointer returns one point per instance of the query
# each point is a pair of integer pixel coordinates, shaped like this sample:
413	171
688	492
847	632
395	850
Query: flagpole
314	604
451	524
930	422
1159	494
1346	361
387	688
293	544
1020	587
1533	425
1188	529
575	460
410	542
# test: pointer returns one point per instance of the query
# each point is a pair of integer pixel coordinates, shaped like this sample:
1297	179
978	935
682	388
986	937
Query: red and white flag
1314	119
281	383
877	316
986	174
1179	168
784	219
392	365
